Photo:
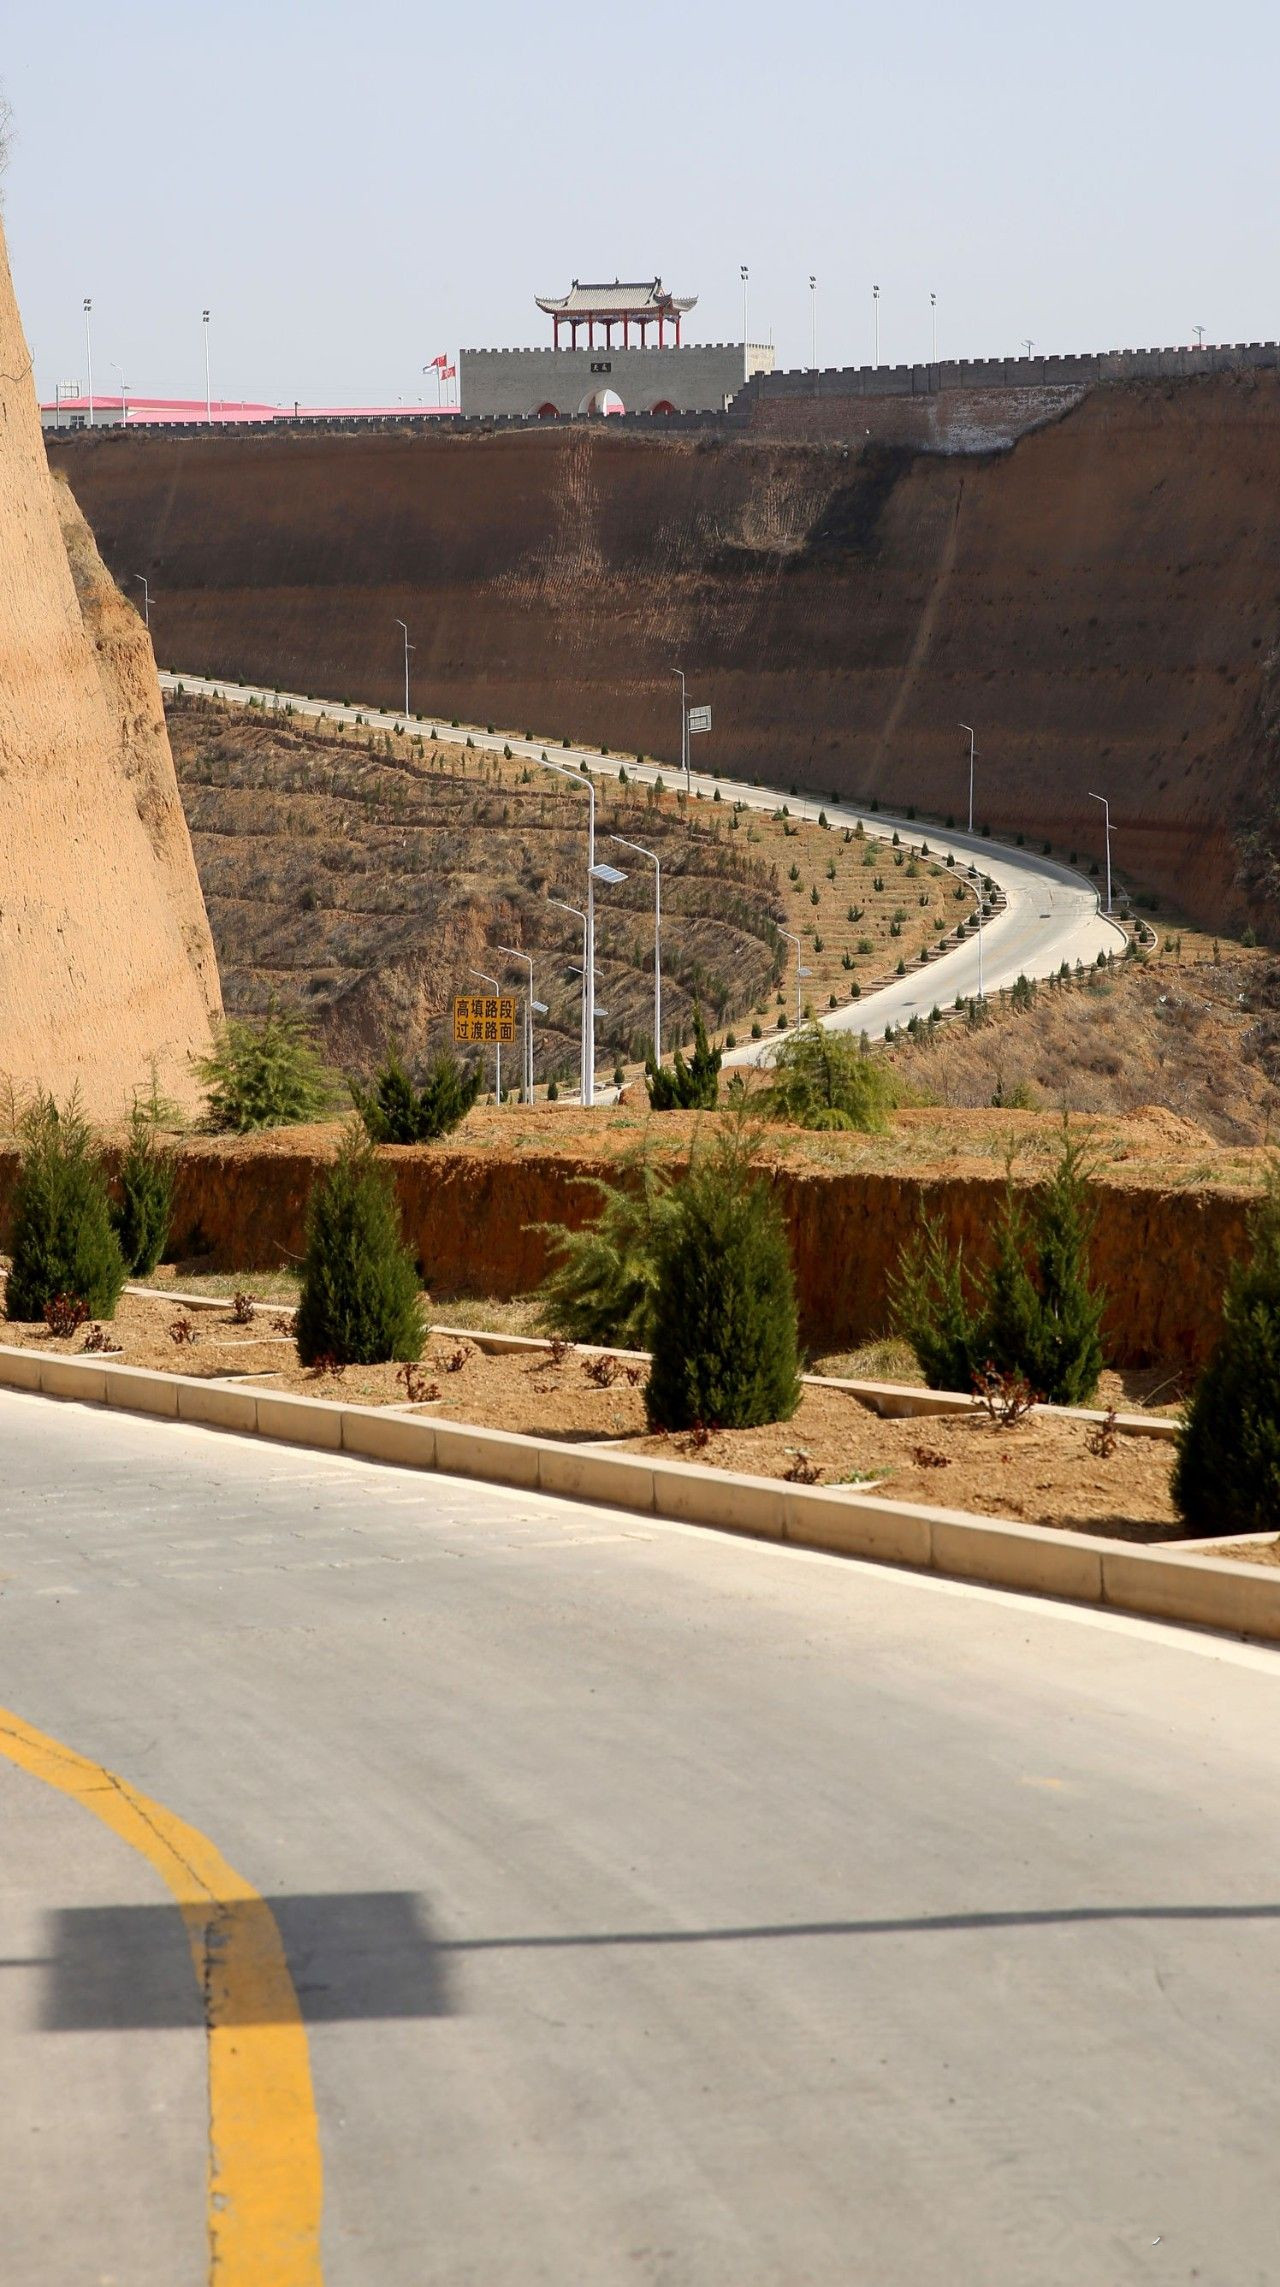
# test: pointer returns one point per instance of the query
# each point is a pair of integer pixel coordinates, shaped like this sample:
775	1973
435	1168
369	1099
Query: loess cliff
1101	599
106	963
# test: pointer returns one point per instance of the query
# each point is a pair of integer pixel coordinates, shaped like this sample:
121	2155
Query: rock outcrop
107	966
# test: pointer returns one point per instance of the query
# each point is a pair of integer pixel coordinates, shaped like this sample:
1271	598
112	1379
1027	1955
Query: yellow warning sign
482	1019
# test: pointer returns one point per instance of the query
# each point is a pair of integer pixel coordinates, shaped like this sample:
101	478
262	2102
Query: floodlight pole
497	1046
583	779
790	935
875	298
586	966
88	349
933	306
968	727
146	598
408	647
208	386
656	863
513	955
1106	809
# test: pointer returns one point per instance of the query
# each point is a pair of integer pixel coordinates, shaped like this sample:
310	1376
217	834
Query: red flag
451	372
442	360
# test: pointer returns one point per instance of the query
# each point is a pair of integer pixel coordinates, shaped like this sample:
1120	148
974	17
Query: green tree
681	1087
266	1073
360	1303
394	1111
144	1209
823	1079
601	1285
724	1316
62	1242
1226	1477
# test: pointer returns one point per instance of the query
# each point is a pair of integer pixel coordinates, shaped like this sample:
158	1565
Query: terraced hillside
367	877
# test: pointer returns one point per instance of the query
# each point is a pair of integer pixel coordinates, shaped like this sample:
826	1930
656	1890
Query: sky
351	190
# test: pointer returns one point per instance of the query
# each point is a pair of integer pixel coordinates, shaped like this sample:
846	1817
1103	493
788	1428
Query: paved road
1052	913
664	1908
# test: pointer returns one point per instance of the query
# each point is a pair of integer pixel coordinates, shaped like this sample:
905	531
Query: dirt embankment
1167	1228
106	962
1102	601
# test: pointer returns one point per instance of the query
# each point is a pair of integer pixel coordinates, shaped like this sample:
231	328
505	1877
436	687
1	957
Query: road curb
1154	1583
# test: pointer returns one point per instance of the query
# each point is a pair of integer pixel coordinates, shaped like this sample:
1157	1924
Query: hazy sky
352	188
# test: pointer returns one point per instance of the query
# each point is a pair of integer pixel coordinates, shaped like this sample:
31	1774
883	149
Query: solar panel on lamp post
513	955
656	863
586	930
801	971
582	779
497	1046
146	598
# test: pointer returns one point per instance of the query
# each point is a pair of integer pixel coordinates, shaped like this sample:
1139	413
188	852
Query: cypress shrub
601	1285
1226	1478
681	1087
824	1079
142	1215
266	1073
724	1309
63	1242
359	1303
395	1111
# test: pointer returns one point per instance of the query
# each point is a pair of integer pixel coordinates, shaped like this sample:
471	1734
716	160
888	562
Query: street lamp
684	729
1106	811
968	727
933	305
583	780
813	321
875	300
742	269
1198	331
801	971
530	1004
588	1057
146	598
88	349
408	647
656	863
124	395
497	1046
1028	344
208	387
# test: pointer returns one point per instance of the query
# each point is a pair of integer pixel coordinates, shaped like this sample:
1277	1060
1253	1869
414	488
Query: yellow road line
265	2183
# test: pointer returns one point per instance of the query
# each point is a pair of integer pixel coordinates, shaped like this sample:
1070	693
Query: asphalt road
663	1907
1052	912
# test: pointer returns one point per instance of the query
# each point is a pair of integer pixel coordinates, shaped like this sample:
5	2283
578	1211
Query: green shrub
142	1214
819	1072
266	1073
1034	1311
62	1241
1226	1478
724	1311
359	1303
681	1087
394	1111
600	1287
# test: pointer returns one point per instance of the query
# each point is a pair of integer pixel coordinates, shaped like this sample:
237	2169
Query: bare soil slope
106	962
1102	601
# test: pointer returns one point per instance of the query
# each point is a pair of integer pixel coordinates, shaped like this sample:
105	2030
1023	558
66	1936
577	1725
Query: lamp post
684	729
497	1046
513	954
589	957
656	863
968	727
124	395
1028	344
801	971
146	598
813	321
408	647
875	303
588	1060
208	386
933	308
88	349
742	269
1106	812
1198	331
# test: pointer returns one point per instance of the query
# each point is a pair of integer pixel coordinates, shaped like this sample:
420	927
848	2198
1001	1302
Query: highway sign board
699	718
481	1019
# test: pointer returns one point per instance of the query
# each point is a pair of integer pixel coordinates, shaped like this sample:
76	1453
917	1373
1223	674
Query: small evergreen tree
63	1242
360	1302
394	1111
1226	1478
724	1313
266	1073
932	1308
681	1087
823	1079
142	1214
601	1286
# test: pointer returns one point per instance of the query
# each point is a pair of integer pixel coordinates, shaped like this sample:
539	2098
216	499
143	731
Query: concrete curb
1155	1583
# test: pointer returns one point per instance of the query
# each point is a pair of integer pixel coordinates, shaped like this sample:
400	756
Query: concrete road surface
662	1907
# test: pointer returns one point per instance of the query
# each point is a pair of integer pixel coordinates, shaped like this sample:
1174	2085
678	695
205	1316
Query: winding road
1052	913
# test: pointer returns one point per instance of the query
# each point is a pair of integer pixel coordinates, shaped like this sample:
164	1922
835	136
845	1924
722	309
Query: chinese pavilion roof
645	298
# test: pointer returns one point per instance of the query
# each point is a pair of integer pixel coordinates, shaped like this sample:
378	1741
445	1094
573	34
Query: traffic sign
699	718
483	1019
